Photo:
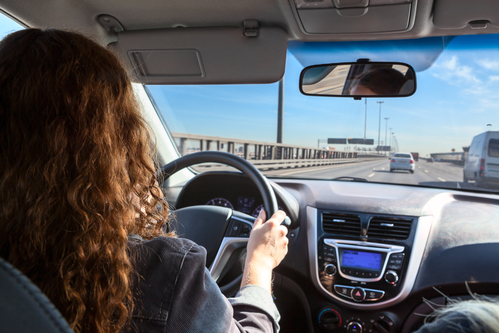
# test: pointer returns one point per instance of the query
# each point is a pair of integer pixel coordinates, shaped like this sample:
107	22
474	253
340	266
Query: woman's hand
266	248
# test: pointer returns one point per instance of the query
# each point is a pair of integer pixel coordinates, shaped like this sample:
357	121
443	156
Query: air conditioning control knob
330	321
383	324
391	277
330	269
354	327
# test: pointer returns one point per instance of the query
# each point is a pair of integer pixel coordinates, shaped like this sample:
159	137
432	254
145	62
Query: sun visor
203	55
419	53
459	14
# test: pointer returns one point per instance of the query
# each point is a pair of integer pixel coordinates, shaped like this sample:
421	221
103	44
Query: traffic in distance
476	168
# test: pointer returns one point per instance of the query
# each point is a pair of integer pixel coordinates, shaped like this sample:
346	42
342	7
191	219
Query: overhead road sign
383	148
336	141
361	141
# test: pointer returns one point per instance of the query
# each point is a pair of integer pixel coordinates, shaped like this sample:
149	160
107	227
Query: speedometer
220	202
259	208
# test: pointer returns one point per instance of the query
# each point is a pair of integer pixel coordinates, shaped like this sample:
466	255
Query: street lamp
386	131
365	119
379	125
391	139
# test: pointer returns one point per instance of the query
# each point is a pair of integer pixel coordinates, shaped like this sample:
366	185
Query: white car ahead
402	161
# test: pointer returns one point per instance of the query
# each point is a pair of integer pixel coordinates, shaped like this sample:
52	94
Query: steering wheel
222	231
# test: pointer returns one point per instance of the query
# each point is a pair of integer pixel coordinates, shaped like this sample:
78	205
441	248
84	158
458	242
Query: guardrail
266	155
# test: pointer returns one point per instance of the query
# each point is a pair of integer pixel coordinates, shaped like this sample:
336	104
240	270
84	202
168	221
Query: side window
8	25
494	148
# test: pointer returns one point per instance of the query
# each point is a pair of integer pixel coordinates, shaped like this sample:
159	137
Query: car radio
361	271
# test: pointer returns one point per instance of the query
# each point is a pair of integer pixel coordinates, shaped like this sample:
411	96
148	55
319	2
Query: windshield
403	155
327	138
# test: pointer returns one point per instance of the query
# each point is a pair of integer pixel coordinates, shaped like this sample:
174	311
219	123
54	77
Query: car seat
23	307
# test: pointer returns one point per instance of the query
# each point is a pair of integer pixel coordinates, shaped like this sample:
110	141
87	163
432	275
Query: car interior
365	254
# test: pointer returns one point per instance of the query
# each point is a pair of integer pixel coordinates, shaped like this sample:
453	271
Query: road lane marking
372	174
310	169
441	179
315	168
426	171
382	168
298	171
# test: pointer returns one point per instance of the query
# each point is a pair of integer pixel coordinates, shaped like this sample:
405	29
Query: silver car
402	161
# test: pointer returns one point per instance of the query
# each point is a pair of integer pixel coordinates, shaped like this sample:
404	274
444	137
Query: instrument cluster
243	204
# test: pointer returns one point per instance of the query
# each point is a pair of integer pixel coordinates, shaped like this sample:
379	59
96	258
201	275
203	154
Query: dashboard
368	257
242	203
235	192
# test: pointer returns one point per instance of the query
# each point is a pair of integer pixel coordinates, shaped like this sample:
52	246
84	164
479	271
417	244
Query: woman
81	212
380	81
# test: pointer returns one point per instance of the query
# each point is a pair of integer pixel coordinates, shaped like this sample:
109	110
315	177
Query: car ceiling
423	18
159	14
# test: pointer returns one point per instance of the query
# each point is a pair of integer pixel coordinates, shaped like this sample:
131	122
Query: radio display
359	259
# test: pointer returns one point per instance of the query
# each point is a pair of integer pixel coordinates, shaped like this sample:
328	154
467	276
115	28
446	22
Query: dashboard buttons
359	273
234	228
344	291
374	295
391	277
245	230
329	253
358	294
330	270
396	260
239	228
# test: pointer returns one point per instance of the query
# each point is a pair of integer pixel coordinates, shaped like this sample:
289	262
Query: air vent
341	224
389	228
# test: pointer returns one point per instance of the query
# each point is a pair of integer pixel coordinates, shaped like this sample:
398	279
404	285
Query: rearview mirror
359	79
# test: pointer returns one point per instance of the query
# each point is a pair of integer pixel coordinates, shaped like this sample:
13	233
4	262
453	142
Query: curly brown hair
77	176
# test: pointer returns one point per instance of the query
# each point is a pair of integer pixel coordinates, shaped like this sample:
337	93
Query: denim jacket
175	293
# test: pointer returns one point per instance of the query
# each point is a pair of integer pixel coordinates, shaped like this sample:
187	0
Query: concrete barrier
268	156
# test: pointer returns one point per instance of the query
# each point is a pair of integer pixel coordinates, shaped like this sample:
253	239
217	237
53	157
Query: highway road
439	174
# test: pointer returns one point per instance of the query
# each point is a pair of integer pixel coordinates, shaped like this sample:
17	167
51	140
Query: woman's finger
260	219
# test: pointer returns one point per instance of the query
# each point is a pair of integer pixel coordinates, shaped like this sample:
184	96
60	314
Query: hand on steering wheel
218	229
266	248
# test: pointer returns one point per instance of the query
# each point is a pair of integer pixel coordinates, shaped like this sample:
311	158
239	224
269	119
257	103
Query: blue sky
7	26
456	99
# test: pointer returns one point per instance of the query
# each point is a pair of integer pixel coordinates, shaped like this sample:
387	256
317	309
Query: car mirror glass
359	79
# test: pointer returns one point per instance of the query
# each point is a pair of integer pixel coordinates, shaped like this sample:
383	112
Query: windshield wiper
351	179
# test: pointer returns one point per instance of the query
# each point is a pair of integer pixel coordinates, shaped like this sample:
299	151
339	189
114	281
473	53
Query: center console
363	264
360	271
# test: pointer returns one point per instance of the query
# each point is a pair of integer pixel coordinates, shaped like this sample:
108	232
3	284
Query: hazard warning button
358	294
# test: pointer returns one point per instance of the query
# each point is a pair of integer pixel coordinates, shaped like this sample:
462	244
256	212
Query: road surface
436	174
439	174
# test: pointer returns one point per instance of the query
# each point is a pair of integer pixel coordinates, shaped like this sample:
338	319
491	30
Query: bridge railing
266	155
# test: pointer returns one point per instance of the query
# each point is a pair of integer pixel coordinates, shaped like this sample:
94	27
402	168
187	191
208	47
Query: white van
482	163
